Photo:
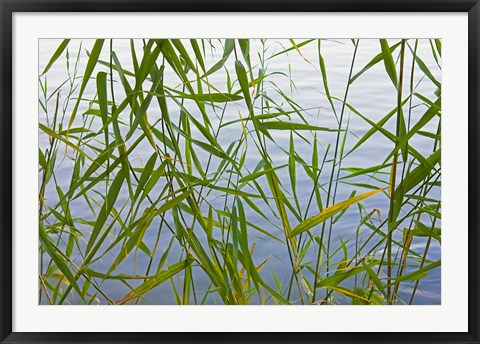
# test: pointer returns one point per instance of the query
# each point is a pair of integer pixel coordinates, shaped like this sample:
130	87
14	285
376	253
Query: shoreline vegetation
186	172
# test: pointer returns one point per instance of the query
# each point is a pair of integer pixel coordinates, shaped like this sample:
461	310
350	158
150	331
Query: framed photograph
269	171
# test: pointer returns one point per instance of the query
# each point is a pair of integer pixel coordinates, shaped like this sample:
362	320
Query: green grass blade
329	212
291	126
388	62
151	283
56	55
373	62
110	199
59	261
92	61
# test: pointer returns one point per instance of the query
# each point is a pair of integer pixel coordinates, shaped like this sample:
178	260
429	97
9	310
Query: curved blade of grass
329	212
135	239
173	202
50	248
248	262
52	133
424	231
209	148
412	179
373	62
373	276
245	48
423	67
323	69
229	46
244	84
292	169
426	117
105	210
297	45
235	237
115	68
184	54
146	174
255	175
93	273
56	55
375	126
141	111
102	101
148	62
278	125
209	97
388	62
438	44
341	276
416	275
198	53
153	282
360	171
92	61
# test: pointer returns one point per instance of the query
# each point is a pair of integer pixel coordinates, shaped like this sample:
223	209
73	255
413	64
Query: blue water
299	77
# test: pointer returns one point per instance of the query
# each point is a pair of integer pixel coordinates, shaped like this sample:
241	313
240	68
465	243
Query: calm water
372	94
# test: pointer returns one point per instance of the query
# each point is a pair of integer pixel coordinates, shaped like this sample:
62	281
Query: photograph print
239	171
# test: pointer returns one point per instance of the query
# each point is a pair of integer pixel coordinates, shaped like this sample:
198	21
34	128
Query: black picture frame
9	7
